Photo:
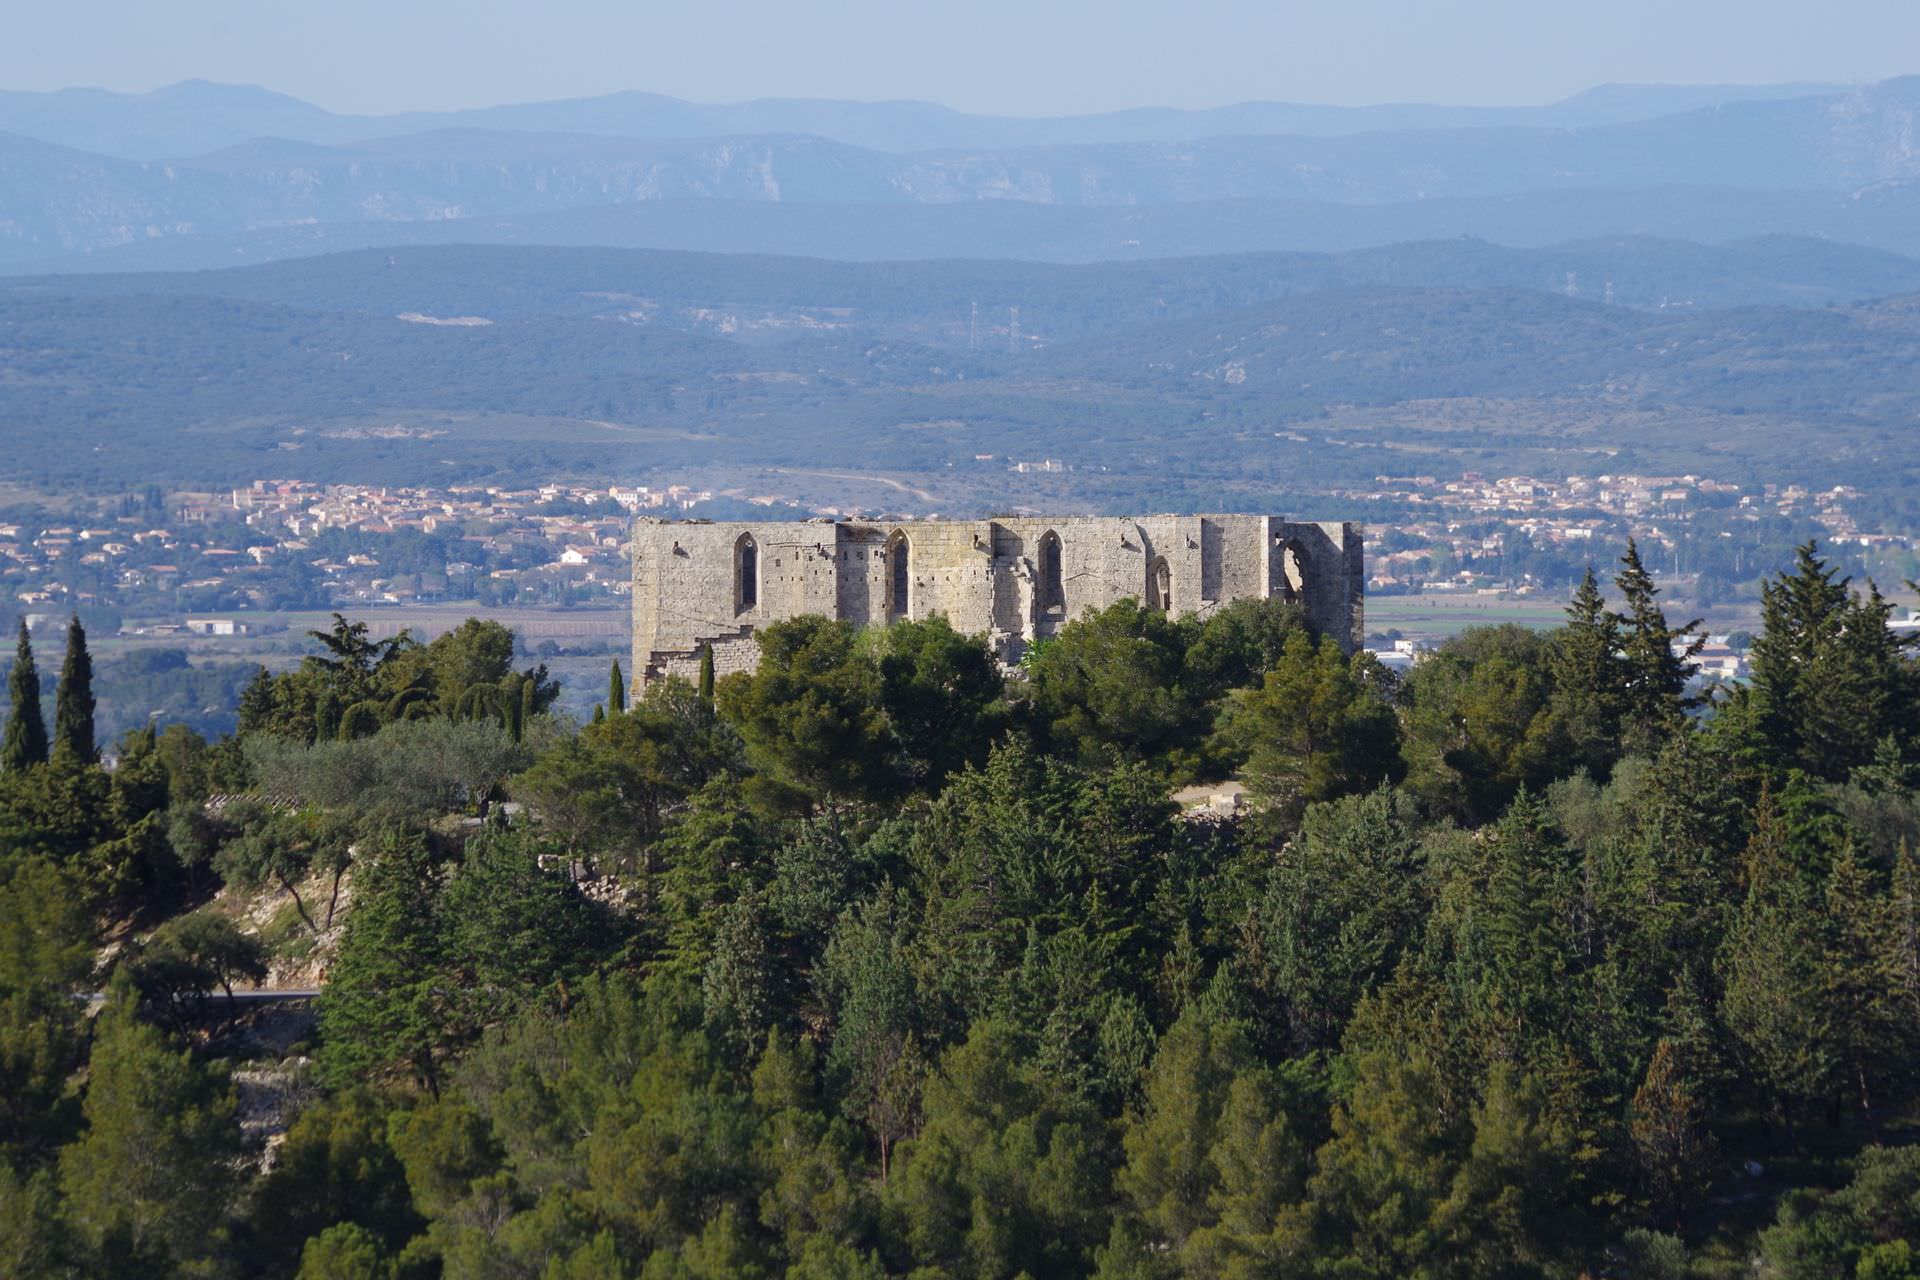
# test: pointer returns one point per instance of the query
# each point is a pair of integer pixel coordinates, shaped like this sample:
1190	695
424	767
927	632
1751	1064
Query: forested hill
931	298
1376	346
1883	216
479	362
1535	963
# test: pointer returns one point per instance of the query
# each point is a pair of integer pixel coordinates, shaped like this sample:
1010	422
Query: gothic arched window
1287	576
1160	585
899	576
746	573
1050	592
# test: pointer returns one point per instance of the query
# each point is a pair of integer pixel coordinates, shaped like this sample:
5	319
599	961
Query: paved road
268	996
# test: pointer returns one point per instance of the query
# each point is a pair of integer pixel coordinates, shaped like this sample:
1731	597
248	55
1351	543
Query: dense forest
1539	960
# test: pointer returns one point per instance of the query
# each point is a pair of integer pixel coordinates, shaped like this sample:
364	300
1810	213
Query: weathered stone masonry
1015	580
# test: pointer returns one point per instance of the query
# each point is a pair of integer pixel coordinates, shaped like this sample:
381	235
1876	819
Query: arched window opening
1050	593
899	576
1160	585
746	574
1289	576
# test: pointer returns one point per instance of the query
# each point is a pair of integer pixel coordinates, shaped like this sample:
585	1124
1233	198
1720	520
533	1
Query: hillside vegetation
874	962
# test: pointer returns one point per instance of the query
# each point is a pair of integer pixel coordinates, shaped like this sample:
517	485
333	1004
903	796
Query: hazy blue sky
1012	56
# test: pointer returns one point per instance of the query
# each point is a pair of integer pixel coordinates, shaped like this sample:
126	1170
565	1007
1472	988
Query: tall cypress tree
73	703
529	695
26	740
513	705
706	674
616	690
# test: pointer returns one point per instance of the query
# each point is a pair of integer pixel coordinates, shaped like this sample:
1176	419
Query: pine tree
257	704
1396	1144
26	740
1902	940
1829	680
1514	1208
1669	1140
1169	1175
387	998
344	1251
1799	614
1263	1164
1873	1037
616	690
73	702
1867	691
1590	678
46	953
1518	941
1773	967
148	1185
1658	659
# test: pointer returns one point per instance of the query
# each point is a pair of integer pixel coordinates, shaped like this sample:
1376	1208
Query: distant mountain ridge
56	200
196	116
1842	165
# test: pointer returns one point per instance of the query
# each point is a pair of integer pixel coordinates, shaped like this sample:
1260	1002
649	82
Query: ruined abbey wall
1013	580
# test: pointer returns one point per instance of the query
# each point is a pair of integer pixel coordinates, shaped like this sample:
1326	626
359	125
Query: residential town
196	562
292	544
1478	532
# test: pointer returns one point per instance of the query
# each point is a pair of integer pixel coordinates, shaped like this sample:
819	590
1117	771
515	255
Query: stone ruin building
1014	580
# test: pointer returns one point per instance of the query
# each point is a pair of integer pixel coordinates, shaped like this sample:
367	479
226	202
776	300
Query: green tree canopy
834	714
1315	728
1658	658
1109	687
149	1182
73	701
1590	680
26	738
388	1001
1480	722
1830	681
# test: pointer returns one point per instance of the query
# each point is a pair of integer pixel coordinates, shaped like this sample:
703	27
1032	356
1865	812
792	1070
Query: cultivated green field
1436	617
